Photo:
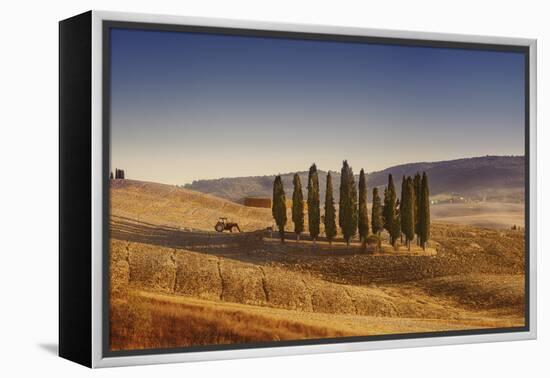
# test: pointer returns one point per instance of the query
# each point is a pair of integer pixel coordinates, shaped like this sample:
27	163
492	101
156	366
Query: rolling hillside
175	282
171	206
492	177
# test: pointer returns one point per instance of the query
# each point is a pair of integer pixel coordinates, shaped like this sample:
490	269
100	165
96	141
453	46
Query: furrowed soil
174	282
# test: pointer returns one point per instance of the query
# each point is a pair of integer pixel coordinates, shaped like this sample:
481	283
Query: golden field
176	283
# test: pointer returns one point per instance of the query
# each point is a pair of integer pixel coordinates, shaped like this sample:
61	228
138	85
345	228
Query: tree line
119	174
405	217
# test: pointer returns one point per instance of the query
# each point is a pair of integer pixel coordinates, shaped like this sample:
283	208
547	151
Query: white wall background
28	190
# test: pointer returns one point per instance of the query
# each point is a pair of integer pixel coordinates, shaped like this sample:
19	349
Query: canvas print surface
266	190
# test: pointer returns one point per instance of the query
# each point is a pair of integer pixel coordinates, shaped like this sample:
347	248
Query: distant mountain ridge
491	177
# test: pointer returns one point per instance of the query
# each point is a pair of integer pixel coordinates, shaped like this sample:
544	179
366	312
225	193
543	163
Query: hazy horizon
305	169
192	106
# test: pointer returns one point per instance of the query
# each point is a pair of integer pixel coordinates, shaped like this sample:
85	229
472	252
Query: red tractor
223	225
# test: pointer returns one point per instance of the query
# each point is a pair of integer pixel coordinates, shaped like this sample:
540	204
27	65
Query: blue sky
188	106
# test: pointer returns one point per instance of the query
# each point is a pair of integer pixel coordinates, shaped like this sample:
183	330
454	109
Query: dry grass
174	285
481	292
145	320
181	208
164	312
202	276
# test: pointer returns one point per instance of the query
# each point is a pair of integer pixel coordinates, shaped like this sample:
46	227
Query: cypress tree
424	212
279	206
330	211
376	217
111	176
385	209
396	224
391	220
417	196
347	215
363	215
403	201
407	211
117	176
313	203
298	207
343	192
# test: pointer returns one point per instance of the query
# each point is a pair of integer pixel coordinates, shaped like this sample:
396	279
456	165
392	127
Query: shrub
374	239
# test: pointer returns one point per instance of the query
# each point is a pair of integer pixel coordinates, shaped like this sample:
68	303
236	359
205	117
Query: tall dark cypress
111	176
402	202
417	198
385	209
424	212
298	207
396	224
377	221
347	213
353	203
363	215
344	193
313	203
278	209
407	211
391	223
330	211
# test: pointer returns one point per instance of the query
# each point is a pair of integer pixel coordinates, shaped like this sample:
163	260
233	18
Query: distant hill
491	177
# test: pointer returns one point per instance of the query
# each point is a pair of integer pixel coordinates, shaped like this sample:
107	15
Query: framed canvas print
234	189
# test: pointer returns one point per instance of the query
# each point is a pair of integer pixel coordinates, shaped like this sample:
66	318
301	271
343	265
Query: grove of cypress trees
424	212
347	216
376	217
119	174
279	206
313	203
407	211
417	197
330	211
298	207
363	215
